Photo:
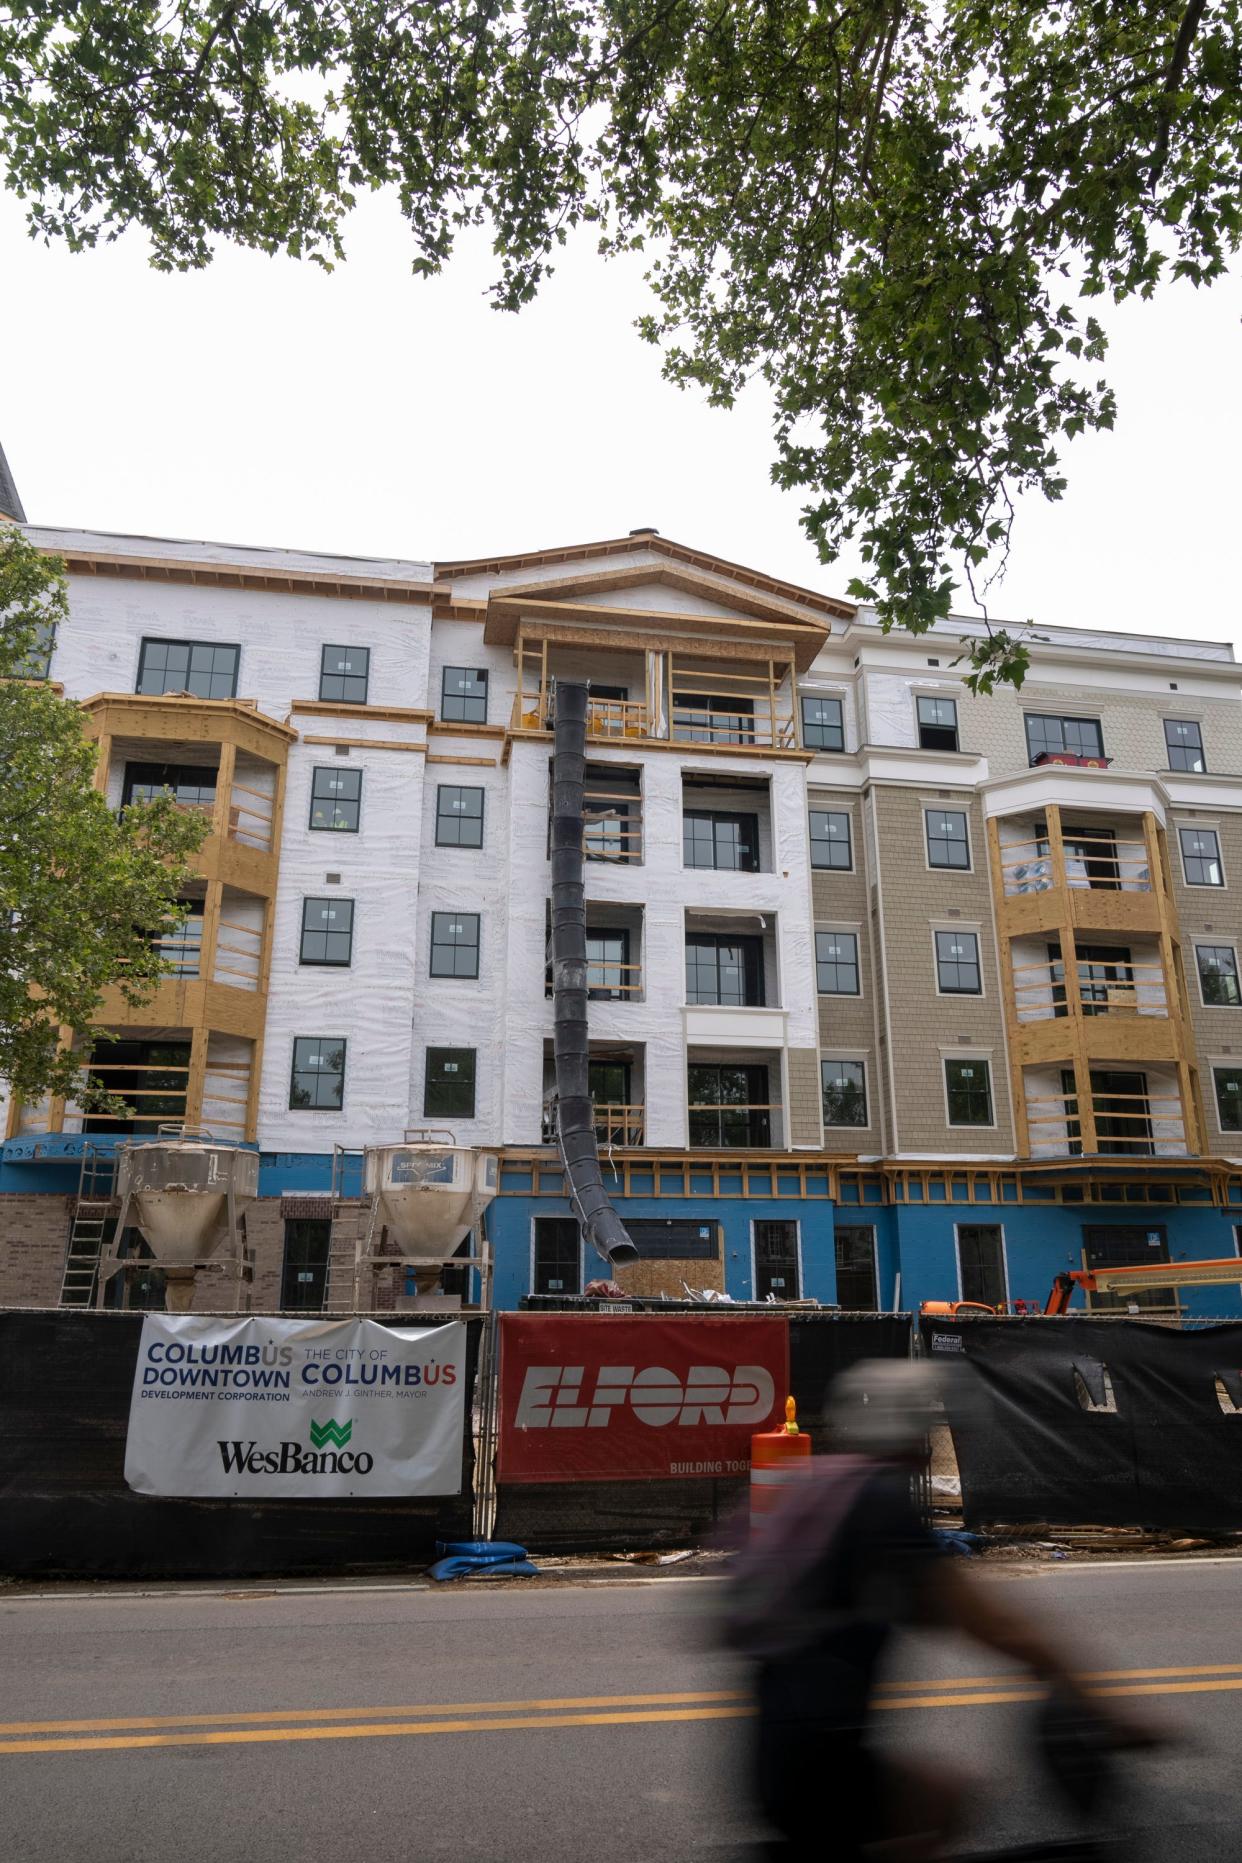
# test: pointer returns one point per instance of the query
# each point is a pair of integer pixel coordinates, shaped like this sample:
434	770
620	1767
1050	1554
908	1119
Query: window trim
472	847
957	1254
942	808
940	698
855	1060
848	817
834	698
967	1054
1223	1064
340	646
330	769
341	1041
875	1259
1212	828
454	976
839	931
1064	718
754	1254
325	963
1169	718
480	672
530	1281
971	931
1216	944
172	640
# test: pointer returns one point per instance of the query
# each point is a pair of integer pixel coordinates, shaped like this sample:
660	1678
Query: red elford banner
600	1398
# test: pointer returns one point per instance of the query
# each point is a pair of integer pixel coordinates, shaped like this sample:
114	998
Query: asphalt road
551	1725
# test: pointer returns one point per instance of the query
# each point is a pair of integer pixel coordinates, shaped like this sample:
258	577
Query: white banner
285	1409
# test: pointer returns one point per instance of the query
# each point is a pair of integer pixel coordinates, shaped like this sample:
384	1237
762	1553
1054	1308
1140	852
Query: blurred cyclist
815	1597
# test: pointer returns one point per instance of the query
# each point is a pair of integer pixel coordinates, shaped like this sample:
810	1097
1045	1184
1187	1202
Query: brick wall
922	1025
34	1239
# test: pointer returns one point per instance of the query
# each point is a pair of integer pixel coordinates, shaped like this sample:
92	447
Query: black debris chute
575	1121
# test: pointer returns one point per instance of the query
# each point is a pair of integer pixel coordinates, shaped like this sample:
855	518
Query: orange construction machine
1134	1280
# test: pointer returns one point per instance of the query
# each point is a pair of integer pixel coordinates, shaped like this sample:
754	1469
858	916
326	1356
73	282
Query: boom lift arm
1146	1275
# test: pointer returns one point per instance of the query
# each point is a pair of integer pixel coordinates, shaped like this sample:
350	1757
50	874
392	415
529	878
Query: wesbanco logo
552	1396
292	1459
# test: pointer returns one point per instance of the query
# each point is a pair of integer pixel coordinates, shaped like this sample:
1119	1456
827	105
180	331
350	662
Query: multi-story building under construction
896	993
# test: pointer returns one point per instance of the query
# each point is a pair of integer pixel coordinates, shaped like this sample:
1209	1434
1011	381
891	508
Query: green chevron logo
330	1432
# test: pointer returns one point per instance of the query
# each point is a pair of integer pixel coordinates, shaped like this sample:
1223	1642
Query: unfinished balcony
733	1101
1095	873
1117	1113
1114	1001
743	703
614	951
616	1075
732	984
219	757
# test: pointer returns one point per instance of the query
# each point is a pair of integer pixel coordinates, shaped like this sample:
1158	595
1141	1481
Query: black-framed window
336	799
193	785
844	1088
937	720
459	815
957	963
304	1272
823	723
204	667
968	1084
448	1085
713	718
1218	975
558	1255
854	1248
776	1261
1078	737
327	932
831	844
1184	743
836	963
37	663
981	1263
724	971
318	1081
715	838
1201	857
181	949
948	839
609	977
454	944
344	673
728	1106
463	695
1228	1084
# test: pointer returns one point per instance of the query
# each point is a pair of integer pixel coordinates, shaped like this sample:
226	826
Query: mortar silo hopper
188	1196
428	1194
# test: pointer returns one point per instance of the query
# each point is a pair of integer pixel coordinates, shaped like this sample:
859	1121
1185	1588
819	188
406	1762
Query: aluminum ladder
93	1214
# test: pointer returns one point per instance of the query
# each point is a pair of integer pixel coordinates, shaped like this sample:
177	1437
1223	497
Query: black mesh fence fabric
65	1385
636	1515
1095	1422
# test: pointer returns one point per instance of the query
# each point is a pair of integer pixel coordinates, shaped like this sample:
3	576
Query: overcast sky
370	412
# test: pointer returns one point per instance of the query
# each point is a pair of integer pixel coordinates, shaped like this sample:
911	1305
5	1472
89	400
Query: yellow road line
244	1729
383	1730
554	1703
1095	1675
267	1715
